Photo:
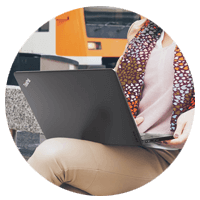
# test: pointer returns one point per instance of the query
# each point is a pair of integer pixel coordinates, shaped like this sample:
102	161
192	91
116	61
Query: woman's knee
49	147
65	151
46	153
46	161
61	159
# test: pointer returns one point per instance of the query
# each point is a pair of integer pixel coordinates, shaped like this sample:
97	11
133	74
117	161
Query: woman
166	67
159	90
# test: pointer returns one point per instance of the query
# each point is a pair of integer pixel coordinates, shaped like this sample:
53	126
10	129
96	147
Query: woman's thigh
96	168
124	168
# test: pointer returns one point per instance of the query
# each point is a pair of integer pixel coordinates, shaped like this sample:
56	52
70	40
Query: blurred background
85	38
95	37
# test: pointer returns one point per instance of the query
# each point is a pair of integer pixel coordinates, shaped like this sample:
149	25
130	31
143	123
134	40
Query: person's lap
96	168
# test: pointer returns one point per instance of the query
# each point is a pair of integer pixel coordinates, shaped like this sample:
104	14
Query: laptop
82	104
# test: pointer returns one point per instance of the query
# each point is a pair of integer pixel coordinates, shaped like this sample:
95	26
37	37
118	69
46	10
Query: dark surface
82	104
27	143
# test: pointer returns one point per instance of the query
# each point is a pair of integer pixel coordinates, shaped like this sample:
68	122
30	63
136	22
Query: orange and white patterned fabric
131	72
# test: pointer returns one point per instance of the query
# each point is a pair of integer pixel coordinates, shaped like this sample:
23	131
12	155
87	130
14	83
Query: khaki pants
89	167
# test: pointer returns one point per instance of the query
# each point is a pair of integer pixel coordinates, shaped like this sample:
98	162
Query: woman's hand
184	125
139	120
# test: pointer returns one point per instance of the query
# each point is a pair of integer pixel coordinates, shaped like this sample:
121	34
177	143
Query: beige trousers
93	168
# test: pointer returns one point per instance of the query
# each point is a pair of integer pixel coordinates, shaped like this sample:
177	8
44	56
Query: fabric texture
98	169
131	72
156	102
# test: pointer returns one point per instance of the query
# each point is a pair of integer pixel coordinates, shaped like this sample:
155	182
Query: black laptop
82	104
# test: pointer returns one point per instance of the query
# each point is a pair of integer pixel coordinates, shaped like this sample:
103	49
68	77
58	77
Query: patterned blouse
131	72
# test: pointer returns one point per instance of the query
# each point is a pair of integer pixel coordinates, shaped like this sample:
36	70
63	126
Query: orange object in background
70	34
94	31
93	36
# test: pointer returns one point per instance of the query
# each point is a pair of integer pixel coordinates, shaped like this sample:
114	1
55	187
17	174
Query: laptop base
150	137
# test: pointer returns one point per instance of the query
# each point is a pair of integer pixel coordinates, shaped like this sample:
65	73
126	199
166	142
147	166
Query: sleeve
134	28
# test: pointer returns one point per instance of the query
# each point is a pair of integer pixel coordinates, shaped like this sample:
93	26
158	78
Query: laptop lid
82	104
